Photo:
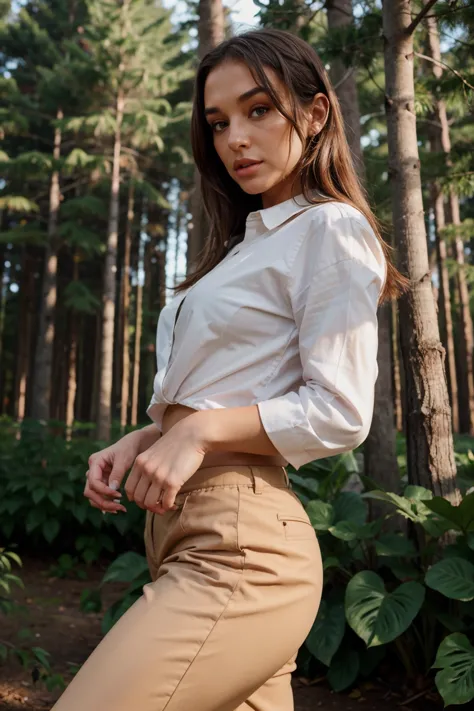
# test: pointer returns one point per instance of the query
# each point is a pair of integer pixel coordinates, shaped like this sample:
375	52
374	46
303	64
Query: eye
215	125
260	108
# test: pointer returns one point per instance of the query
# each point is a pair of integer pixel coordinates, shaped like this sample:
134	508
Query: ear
318	114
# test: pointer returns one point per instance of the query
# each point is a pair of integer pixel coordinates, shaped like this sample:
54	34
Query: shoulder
336	231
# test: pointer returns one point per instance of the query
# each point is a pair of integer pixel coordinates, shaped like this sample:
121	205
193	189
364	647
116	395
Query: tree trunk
72	361
41	404
126	309
430	453
466	415
25	322
442	142
138	334
396	379
339	14
380	454
109	294
211	32
446	319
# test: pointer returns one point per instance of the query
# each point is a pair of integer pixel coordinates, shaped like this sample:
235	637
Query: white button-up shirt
287	321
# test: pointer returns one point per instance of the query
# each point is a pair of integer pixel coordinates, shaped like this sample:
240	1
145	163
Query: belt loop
257	482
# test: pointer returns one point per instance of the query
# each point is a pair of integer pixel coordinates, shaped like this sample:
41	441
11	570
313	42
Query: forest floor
49	610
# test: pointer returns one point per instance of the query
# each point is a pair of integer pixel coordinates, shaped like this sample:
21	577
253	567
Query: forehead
226	82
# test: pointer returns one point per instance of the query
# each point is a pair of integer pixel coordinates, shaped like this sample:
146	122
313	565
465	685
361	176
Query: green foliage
7	578
42	479
33	658
403	596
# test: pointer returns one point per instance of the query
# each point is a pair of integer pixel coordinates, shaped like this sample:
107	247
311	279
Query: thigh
234	598
142	660
276	694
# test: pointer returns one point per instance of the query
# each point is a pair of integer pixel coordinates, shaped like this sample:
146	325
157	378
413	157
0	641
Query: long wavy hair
325	166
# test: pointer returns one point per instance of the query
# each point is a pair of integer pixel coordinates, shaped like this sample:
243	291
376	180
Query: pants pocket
296	527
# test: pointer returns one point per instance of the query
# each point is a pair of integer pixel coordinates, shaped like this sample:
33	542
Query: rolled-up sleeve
334	290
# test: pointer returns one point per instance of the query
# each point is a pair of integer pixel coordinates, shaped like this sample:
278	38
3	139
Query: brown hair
325	165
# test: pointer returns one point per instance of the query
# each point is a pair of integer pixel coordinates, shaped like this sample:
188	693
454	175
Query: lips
245	163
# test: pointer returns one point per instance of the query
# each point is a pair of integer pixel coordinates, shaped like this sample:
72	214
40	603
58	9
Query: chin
256	187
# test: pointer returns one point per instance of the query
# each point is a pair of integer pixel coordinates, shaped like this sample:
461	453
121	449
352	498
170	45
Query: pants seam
234	589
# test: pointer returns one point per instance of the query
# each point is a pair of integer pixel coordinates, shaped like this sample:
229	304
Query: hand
159	472
110	465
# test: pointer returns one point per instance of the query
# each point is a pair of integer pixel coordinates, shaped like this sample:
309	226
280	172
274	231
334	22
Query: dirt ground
49	609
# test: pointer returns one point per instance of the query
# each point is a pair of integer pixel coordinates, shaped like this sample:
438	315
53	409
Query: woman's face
246	125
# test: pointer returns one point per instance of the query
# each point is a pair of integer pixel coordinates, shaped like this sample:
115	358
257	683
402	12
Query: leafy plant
42	501
403	596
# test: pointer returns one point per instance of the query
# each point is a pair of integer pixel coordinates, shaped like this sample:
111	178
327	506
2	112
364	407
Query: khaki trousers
236	584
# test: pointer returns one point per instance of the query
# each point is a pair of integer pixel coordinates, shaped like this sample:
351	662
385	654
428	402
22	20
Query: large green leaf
320	514
51	529
403	505
349	506
344	669
394	544
455	658
462	516
344	530
453	577
327	632
125	568
376	615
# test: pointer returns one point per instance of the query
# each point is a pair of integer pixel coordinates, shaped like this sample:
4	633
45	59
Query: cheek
220	148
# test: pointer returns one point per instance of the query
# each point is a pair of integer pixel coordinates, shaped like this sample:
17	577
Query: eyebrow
243	97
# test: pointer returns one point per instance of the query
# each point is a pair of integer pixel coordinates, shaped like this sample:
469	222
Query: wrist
145	437
198	428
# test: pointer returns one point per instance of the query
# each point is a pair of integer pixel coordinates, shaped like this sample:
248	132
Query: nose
237	136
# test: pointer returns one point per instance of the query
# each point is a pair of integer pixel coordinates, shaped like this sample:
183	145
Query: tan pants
237	581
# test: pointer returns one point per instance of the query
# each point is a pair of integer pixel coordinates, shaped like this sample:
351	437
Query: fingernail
116	501
114	485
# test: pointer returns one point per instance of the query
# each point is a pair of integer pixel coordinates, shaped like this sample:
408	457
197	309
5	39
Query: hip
239	517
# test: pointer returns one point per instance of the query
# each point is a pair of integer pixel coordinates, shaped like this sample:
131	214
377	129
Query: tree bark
109	293
464	420
396	379
126	308
430	453
339	14
72	361
211	31
138	336
446	319
466	414
25	322
41	404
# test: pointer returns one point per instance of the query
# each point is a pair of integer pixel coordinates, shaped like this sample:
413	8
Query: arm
145	437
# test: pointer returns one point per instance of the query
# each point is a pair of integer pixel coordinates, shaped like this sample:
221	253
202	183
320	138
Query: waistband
256	477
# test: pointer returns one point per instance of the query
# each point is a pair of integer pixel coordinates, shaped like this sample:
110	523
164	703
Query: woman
270	360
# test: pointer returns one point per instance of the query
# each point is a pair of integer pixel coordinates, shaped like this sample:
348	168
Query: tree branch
414	23
440	63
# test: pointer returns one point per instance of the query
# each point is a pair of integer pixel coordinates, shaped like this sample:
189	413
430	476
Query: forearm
234	429
145	437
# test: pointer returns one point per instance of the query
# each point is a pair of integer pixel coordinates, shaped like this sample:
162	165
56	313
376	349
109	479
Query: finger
141	491
102	489
116	475
169	498
152	497
102	503
133	479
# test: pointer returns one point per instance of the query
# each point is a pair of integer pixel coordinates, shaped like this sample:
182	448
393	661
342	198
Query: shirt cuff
286	427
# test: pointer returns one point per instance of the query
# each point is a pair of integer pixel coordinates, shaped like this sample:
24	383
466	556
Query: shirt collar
278	214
